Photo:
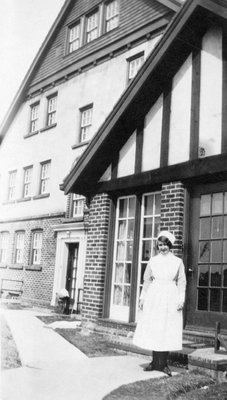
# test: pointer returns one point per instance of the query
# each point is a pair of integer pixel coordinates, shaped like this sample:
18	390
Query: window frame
36	249
70	42
27	184
19	249
44	178
93	12
34	120
4	250
85	130
80	201
51	113
11	196
135	57
106	19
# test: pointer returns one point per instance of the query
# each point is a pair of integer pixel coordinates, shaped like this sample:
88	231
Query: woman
162	300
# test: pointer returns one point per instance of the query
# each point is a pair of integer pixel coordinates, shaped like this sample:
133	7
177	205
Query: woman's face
163	247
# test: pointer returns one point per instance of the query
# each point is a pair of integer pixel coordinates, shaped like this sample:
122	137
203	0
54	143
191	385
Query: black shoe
167	371
149	367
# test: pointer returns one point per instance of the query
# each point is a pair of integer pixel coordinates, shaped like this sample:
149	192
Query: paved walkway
53	369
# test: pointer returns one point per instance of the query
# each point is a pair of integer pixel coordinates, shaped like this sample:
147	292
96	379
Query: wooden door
207	262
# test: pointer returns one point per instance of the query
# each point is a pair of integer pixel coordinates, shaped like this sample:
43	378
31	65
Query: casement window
51	110
78	205
45	177
4	244
86	123
92	22
19	247
34	117
134	65
74	37
36	247
27	182
111	15
125	260
12	185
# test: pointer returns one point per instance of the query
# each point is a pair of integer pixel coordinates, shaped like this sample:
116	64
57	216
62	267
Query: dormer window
92	26
51	110
112	15
34	118
74	37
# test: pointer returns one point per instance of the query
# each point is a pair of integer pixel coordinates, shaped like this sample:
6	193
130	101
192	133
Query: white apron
160	325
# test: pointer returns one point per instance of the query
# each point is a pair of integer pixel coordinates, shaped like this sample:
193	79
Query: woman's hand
141	301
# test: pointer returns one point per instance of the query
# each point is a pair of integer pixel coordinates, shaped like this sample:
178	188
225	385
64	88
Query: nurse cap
168	235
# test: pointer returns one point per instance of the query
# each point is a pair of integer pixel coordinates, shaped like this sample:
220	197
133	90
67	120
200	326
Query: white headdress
168	235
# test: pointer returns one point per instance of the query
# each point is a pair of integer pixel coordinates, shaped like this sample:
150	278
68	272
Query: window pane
204	252
217	203
204	275
225	276
148	205
128	273
146	249
117	294
225	203
203	299
157	204
217	227
216	251
122	230
129	251
156	226
225	251
147	228
132	203
225	226
216	273
224	302
215	300
143	267
121	251
123	208
205	204
205	228
119	273
126	298
130	229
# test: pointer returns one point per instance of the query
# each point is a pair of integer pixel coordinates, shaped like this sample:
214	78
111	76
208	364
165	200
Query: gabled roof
20	95
179	40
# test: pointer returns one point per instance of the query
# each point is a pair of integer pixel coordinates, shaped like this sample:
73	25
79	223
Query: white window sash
37	247
4	240
45	177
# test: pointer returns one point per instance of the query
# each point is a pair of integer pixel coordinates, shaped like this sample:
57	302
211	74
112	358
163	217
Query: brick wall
172	212
38	284
96	258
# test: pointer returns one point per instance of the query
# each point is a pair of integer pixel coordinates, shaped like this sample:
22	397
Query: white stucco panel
152	137
211	92
126	164
179	134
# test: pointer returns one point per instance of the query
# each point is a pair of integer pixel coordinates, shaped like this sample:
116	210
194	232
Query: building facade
90	56
159	162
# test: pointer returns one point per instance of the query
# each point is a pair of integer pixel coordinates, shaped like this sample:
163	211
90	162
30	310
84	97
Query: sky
24	25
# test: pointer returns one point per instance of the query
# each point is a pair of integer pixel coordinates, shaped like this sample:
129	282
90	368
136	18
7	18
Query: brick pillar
95	266
172	212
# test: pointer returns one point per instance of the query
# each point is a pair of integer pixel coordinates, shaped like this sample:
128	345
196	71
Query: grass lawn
9	354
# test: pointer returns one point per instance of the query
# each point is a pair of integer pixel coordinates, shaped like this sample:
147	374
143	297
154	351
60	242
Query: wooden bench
11	288
220	340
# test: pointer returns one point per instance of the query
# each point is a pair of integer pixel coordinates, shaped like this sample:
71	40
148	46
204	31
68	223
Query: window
112	15
34	117
19	249
92	26
74	37
12	185
86	121
27	182
4	243
36	247
134	65
51	110
126	239
45	177
78	205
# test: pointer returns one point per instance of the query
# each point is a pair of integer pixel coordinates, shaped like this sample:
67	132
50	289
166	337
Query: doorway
71	275
207	262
